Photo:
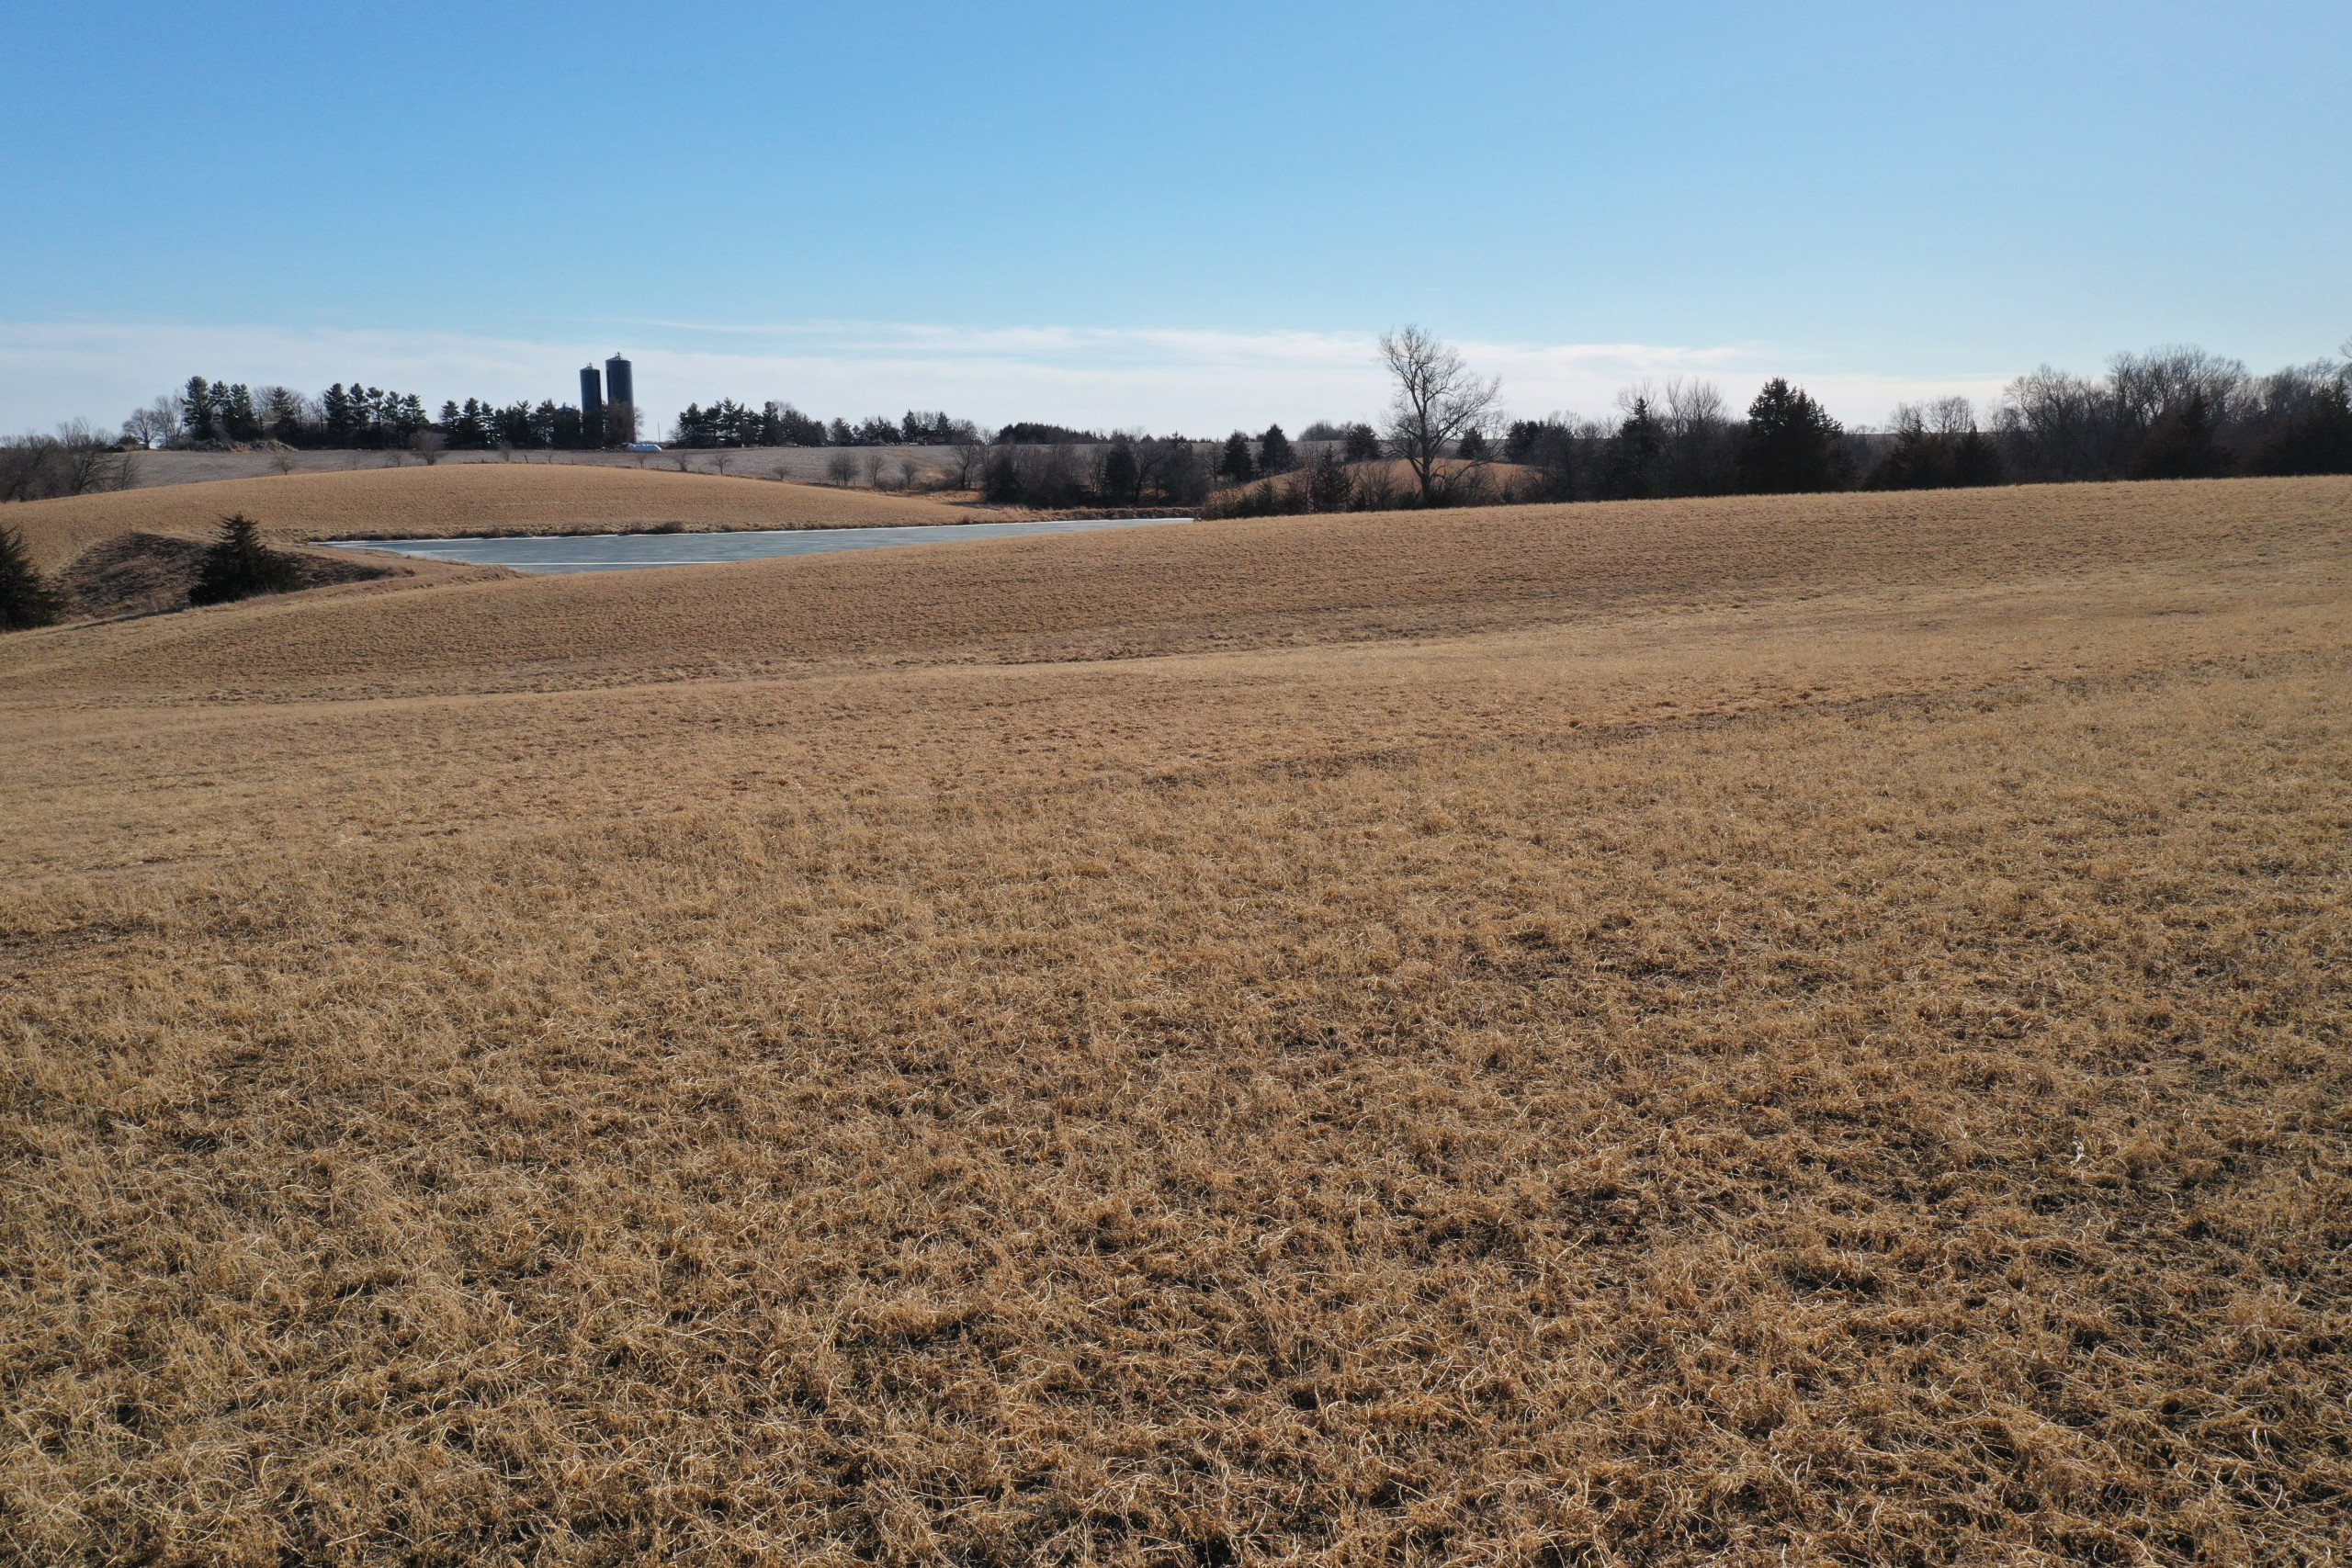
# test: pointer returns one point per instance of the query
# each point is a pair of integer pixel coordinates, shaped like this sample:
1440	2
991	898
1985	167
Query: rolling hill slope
470	498
1755	1033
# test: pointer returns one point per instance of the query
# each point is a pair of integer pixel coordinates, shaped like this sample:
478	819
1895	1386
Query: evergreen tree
25	598
1363	444
1917	460
1234	463
367	416
238	420
237	565
282	415
1121	481
1274	456
2317	440
1328	487
1976	461
2181	446
1472	448
1550	449
198	418
1636	455
336	423
1790	444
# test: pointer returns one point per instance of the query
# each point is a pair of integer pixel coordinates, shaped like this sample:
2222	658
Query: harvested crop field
1783	1031
456	499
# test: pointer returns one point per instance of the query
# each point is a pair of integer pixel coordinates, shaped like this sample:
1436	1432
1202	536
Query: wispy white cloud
1164	378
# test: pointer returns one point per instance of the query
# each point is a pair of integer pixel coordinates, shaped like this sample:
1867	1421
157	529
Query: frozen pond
626	552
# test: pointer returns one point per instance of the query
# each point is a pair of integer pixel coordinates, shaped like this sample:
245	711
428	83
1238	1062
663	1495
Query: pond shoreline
649	548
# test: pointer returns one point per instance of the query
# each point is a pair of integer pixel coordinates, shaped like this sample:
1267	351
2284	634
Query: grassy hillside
1239	583
474	498
808	464
1755	1032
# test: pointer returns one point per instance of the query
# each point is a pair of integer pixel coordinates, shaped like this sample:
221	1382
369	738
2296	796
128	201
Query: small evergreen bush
238	566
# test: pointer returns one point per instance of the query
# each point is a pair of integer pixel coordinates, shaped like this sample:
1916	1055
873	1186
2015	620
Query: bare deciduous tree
970	455
1701	443
428	444
908	472
840	468
874	469
719	459
153	425
1437	401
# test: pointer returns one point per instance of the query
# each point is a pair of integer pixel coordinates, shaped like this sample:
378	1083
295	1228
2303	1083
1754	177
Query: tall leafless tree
153	425
1438	400
969	454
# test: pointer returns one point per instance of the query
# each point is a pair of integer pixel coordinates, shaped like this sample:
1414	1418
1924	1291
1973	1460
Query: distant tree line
1127	470
730	423
2177	413
2169	413
74	461
220	413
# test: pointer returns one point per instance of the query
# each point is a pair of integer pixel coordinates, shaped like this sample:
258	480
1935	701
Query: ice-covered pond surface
626	552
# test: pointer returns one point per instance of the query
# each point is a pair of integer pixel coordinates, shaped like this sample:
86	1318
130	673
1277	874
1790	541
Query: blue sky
1176	216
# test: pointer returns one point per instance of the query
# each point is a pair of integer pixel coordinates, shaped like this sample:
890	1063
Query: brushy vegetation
1750	1032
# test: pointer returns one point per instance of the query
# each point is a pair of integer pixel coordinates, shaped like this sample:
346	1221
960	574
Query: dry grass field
454	499
808	464
1749	1032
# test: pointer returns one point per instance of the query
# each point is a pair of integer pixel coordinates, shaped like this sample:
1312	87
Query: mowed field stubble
1801	1031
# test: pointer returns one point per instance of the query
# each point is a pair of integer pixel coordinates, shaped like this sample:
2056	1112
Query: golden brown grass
1763	1036
1218	585
454	499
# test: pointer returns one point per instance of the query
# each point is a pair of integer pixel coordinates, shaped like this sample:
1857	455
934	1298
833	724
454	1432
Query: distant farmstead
616	386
